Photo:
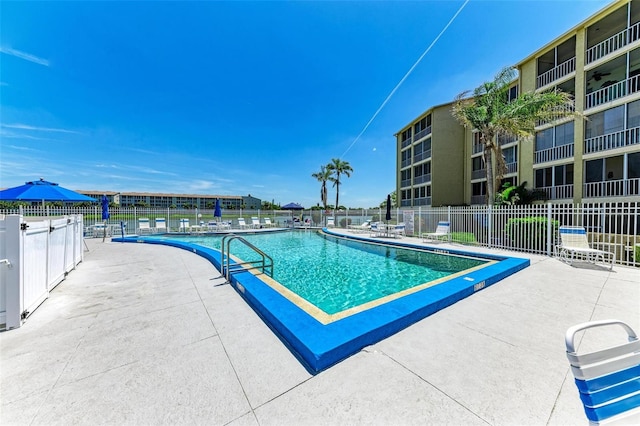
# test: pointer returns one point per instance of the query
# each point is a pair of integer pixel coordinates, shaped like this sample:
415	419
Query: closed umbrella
388	215
217	212
105	214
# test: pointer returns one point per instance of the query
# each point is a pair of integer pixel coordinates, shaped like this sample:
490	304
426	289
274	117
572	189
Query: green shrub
345	222
463	237
529	232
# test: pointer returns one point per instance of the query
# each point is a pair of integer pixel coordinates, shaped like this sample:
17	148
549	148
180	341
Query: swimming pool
323	336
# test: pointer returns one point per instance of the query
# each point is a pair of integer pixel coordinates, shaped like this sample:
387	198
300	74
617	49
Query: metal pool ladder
265	264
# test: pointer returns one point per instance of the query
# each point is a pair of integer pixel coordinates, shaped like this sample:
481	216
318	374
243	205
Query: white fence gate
35	254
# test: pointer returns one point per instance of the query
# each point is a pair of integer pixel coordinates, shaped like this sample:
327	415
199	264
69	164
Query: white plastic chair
442	232
609	379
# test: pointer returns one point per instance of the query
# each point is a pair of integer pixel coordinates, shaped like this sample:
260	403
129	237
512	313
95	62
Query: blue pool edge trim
319	346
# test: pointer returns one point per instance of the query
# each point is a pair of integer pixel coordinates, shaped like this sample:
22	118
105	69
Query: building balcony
478	174
405	203
560	192
512	168
405	143
614	91
556	73
405	163
424	201
405	183
507	139
555	153
422	133
613	43
612	140
422	179
424	155
478	199
612	188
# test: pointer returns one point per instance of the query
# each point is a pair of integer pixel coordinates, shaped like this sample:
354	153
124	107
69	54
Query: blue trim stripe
606	411
603	382
572	231
443	223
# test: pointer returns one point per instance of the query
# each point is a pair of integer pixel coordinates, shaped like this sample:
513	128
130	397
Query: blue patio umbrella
292	206
217	212
41	190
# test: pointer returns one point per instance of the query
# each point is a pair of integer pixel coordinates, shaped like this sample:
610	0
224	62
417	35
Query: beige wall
447	159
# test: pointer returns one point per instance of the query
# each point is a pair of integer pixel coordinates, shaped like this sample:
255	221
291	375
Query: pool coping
319	346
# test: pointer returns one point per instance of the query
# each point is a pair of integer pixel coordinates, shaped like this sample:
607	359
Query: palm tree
323	176
489	111
338	167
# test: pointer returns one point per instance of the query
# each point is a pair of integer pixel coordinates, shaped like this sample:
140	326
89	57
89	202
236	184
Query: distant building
572	160
160	200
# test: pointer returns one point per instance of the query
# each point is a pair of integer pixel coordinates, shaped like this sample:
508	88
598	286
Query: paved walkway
148	334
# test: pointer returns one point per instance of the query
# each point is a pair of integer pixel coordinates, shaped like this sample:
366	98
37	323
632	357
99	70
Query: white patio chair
442	233
161	224
396	230
363	227
184	225
331	223
143	226
377	230
574	243
267	222
608	380
255	222
242	224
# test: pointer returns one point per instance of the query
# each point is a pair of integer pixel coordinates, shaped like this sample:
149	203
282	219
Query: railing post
490	225
549	229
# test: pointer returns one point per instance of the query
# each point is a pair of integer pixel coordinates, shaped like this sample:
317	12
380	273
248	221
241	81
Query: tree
323	176
490	111
338	167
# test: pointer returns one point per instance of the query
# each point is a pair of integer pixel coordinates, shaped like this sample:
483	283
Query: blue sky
236	98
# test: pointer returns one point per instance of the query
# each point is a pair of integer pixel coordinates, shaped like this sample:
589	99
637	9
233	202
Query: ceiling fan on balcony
597	76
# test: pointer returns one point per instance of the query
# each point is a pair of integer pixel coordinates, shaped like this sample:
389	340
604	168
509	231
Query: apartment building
430	160
159	200
572	160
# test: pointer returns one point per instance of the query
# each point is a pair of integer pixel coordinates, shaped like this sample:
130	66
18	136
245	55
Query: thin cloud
37	129
23	55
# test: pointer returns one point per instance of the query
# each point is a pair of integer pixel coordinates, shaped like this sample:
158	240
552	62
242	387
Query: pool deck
150	334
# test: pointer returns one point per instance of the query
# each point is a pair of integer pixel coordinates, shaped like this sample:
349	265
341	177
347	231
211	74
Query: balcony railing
422	133
405	143
422	156
505	139
613	43
612	140
405	203
612	188
512	167
478	199
422	179
405	183
555	153
561	112
478	174
560	192
405	163
424	201
613	92
567	67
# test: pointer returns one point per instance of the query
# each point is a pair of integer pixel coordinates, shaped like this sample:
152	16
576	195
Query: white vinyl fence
36	253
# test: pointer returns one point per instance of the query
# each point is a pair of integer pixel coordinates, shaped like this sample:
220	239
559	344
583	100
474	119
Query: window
544	177
605	122
633	165
563	175
406	134
479	188
594	170
544	139
406	156
510	154
405	174
633	115
421	125
564	134
513	93
477	163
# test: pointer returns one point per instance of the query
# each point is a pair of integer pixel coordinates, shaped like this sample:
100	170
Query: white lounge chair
377	230
442	232
267	222
255	222
161	224
609	379
573	242
184	225
363	227
242	224
396	230
143	226
331	223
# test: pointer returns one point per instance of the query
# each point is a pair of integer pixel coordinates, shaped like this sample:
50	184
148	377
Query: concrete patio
148	334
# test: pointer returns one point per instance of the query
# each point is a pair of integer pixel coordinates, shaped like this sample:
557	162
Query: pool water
336	274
